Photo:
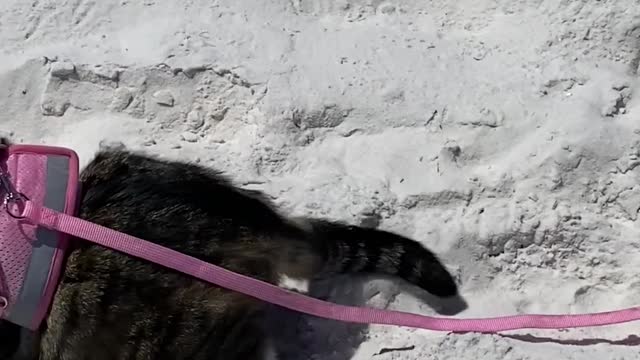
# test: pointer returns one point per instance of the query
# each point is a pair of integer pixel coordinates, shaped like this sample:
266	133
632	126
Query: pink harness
39	185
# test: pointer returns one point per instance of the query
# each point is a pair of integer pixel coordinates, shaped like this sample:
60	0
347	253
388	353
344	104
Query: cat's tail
354	249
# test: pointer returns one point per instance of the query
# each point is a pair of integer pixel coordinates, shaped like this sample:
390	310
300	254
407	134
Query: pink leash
270	293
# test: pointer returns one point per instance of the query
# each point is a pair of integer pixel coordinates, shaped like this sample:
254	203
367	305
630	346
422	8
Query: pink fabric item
16	239
24	170
301	303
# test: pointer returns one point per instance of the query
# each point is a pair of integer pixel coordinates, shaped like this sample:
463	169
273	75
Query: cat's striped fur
111	306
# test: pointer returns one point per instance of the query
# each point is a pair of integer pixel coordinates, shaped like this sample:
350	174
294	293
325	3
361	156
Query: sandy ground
503	134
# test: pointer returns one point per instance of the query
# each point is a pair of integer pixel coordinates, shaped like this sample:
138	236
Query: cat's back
109	305
163	200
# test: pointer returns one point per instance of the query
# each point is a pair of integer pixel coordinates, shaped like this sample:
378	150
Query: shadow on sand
302	337
631	340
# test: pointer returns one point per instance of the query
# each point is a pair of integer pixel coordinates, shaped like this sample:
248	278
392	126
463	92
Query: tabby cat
112	306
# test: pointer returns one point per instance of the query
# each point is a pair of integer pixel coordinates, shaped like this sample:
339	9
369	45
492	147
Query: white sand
503	134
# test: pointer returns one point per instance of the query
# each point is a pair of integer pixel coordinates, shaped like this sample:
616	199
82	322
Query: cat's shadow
301	337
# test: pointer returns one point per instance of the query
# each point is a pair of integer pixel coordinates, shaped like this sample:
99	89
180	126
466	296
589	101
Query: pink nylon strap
219	276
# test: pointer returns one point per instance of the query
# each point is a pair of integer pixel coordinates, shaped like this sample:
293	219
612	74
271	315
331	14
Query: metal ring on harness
17	200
